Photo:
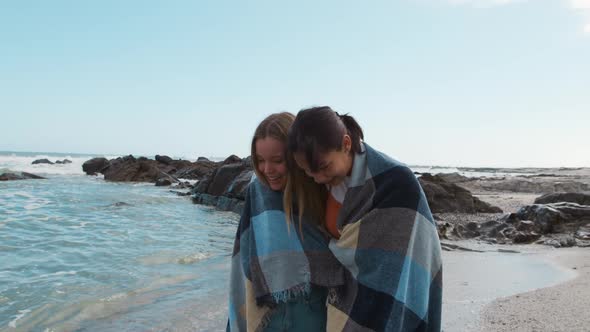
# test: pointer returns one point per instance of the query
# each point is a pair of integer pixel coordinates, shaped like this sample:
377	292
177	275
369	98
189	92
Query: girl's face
271	162
333	166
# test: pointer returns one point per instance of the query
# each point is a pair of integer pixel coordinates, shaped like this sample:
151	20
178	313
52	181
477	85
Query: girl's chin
277	187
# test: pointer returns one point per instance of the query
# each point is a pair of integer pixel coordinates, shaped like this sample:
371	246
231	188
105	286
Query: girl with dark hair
280	271
382	230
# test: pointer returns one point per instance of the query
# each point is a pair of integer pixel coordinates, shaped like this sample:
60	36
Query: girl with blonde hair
281	264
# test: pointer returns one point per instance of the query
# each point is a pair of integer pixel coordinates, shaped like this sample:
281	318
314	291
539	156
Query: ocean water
81	254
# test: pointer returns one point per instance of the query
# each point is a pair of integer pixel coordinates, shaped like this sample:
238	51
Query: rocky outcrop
541	184
232	160
65	161
557	217
557	224
95	165
454	177
164	159
131	169
42	161
444	196
163	182
162	171
579	198
226	187
18	176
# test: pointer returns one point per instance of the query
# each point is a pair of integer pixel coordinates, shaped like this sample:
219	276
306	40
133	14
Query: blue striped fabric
391	251
272	263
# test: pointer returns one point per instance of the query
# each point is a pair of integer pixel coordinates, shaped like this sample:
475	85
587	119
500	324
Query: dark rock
524	237
462	232
511	218
564	241
181	193
130	169
526	185
453	177
204	199
194	171
225	187
559	225
233	159
490	224
557	217
163	182
444	196
164	159
507	232
238	188
472	226
583	233
183	185
248	162
220	202
42	161
65	161
19	176
223	178
526	226
497	231
95	165
579	198
203	185
142	169
203	159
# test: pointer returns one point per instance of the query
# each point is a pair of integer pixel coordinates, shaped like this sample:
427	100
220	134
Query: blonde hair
308	195
311	197
274	126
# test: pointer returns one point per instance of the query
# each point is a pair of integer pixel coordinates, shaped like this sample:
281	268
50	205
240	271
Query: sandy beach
511	287
564	307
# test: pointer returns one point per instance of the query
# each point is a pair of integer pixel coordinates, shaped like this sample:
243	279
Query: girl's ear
346	143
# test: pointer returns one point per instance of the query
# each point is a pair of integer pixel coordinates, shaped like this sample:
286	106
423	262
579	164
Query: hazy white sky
457	82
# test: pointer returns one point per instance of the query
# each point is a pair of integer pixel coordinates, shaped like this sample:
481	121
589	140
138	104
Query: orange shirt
332	210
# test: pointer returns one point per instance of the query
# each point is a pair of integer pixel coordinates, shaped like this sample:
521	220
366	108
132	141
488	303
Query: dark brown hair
319	130
316	131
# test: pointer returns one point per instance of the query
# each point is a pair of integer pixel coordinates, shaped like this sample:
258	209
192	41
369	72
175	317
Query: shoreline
475	279
562	307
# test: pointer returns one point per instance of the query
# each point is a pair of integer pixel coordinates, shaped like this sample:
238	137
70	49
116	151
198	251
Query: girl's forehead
317	160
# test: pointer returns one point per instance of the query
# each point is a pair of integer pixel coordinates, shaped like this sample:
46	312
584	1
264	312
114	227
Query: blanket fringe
265	320
292	293
333	297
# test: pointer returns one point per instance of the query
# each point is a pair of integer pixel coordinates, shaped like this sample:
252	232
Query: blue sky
457	82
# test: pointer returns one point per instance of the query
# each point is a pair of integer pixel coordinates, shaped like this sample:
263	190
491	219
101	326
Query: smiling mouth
274	179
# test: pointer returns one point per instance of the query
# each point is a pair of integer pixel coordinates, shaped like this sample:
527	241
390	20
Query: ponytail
354	130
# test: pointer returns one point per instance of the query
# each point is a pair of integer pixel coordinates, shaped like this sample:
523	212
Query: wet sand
473	280
565	307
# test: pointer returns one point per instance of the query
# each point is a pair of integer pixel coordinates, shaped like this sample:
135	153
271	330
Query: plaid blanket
391	251
272	262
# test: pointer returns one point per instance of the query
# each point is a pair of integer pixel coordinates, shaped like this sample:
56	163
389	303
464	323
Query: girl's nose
267	168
